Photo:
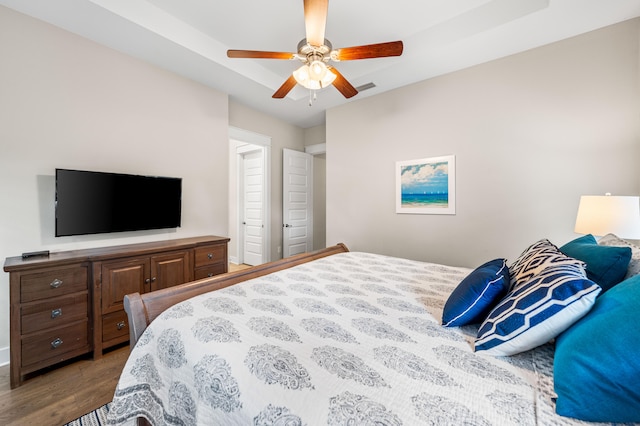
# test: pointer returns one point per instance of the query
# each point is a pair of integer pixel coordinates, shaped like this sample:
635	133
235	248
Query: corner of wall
4	356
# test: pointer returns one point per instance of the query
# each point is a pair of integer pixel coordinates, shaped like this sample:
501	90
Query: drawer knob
210	255
56	343
56	313
121	325
210	274
55	283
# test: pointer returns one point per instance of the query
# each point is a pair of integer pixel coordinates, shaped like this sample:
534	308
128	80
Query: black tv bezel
172	225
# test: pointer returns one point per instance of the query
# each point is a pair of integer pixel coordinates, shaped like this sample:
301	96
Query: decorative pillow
535	259
537	311
477	294
634	264
596	364
607	266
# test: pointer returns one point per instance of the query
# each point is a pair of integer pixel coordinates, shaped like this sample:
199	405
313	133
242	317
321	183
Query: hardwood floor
63	394
234	267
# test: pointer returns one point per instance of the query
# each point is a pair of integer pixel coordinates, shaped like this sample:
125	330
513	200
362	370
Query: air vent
364	87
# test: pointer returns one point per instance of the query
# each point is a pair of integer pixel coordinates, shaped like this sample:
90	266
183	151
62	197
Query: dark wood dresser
70	303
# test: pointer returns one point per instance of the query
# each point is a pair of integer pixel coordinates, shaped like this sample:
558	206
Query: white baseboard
233	259
4	356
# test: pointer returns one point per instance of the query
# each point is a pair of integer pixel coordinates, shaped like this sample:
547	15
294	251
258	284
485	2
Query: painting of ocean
426	186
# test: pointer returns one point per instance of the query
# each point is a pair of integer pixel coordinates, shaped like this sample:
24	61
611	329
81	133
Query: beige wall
319	201
531	133
315	136
70	103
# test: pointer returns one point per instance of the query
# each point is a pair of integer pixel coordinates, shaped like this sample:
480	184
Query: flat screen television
89	202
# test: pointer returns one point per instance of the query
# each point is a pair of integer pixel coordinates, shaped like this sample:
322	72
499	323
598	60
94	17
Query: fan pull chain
312	97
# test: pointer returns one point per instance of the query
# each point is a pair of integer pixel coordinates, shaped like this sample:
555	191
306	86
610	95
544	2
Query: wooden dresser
70	303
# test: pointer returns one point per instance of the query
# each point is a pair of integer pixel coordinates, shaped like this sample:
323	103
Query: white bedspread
353	338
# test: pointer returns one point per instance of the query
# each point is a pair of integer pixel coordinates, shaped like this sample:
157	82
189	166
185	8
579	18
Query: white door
253	207
297	197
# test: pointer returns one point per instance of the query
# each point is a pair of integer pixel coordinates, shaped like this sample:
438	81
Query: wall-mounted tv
89	202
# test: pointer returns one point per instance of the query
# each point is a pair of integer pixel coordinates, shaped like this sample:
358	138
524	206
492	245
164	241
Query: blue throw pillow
596	368
606	265
477	294
537	311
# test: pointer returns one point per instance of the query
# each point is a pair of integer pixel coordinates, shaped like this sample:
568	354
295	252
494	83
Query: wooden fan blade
379	50
343	86
315	20
259	54
285	88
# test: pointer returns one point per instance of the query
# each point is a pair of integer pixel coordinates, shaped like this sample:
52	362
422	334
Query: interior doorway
250	163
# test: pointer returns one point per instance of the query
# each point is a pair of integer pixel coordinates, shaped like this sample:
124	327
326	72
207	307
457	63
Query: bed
330	337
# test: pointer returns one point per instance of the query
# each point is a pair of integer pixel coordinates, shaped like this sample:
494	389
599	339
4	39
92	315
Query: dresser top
17	263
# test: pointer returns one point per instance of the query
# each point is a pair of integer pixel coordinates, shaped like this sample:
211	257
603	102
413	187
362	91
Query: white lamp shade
601	215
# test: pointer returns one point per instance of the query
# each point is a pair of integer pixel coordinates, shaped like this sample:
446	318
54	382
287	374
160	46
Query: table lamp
609	214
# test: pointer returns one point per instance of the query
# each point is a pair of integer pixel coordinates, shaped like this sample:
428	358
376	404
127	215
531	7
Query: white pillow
634	264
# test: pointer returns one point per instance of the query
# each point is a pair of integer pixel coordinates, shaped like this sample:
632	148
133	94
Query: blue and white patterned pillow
537	258
537	311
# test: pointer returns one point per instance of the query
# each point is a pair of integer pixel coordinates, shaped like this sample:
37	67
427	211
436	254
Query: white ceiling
191	37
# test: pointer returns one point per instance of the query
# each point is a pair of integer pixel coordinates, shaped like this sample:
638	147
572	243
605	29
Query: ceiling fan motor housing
311	53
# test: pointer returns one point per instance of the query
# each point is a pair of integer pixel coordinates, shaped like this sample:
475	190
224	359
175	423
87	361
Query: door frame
240	137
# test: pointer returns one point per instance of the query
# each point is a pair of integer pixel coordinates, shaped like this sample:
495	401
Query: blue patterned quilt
354	338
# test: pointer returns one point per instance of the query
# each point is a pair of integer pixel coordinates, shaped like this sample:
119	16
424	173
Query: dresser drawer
53	312
52	283
209	271
115	326
53	344
209	255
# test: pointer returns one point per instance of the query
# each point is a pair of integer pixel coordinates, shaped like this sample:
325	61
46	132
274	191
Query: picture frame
426	186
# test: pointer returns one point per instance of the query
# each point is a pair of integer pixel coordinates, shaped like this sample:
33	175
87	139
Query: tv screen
90	202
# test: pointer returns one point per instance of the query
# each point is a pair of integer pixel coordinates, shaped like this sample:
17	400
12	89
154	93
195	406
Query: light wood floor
65	393
233	267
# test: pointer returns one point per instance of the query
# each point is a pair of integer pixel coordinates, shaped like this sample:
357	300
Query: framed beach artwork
426	186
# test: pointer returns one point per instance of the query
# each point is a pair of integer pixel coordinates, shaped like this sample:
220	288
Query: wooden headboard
144	308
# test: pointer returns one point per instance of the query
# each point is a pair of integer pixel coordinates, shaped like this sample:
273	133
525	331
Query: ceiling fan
315	52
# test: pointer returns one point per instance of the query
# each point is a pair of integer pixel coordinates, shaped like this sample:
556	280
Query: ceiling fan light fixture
302	75
328	79
317	70
314	79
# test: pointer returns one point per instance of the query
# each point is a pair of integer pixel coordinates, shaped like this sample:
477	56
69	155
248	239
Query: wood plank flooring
62	394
